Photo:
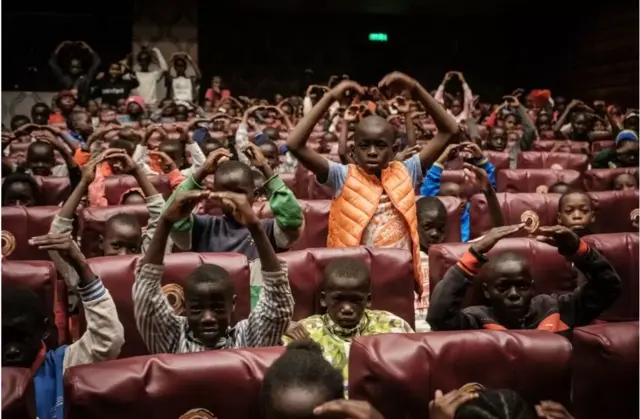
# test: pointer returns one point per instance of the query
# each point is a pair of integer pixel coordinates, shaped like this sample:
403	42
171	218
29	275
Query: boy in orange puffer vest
374	200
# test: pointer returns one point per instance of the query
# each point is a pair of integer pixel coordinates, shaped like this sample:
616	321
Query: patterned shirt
165	332
336	341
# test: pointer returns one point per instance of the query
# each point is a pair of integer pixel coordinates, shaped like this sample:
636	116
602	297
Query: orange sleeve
81	157
175	178
469	263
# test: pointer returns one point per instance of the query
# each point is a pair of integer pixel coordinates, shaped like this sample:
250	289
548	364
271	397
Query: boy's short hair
22	178
210	273
576	191
231	166
348	267
19	120
18	300
41	144
301	366
124	219
430	203
494	404
123	144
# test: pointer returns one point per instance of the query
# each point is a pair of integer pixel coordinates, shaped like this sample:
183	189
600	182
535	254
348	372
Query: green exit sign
378	37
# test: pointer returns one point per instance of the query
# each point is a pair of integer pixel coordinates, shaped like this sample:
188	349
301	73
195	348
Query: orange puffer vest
353	209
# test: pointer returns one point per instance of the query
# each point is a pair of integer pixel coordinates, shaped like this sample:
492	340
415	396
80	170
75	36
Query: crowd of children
393	142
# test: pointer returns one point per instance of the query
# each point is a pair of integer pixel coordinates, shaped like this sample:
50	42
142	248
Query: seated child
576	212
209	291
20	189
624	182
433	187
374	201
302	384
559	188
346	296
510	291
24	325
624	154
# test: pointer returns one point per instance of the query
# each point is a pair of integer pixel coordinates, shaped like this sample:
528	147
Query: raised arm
55	65
162	63
297	141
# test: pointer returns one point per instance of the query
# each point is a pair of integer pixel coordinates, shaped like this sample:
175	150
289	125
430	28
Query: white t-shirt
148	88
182	89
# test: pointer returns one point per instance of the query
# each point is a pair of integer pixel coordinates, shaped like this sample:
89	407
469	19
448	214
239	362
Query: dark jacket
555	313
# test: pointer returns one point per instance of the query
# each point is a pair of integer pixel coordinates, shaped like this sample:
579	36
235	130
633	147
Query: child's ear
233	303
368	301
395	148
352	148
558	219
485	292
323	303
101	242
45	329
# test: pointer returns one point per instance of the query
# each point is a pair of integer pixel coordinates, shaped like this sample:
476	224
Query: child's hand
89	169
552	410
214	159
256	158
352	409
338	92
494	235
183	205
352	113
561	237
398	81
448	153
472	148
478	176
445	406
401	104
62	243
164	161
296	331
239	206
408	152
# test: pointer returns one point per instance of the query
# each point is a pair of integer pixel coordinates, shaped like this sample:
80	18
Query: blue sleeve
336	177
465	224
414	167
491	171
431	185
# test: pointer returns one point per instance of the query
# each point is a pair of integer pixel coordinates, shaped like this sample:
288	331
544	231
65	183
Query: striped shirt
165	332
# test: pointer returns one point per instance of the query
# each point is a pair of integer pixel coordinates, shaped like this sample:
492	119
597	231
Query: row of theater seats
596	376
613	214
391	272
305	186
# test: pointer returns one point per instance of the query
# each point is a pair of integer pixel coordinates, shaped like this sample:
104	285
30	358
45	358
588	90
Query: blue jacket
48	385
431	187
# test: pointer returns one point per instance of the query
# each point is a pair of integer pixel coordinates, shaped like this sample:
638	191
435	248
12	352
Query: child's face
627	152
115	71
509	289
20	194
625	182
174	151
345	299
133	108
456	107
40	115
373	146
450	189
92	107
580	125
67	103
122	106
208	308
544	122
498	140
271	154
40	159
576	212
510	123
121	239
21	340
432	226
134	198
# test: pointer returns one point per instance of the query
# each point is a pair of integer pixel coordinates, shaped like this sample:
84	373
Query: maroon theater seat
222	384
19	224
605	371
55	189
576	147
529	180
598	146
115	186
94	219
621	250
41	277
117	274
544	160
499	160
551	271
512	206
613	211
18	396
399	373
602	179
392	279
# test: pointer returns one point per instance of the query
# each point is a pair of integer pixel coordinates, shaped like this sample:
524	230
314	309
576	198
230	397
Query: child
209	291
41	160
509	288
20	189
624	182
625	153
559	188
346	296
24	325
576	212
432	186
374	201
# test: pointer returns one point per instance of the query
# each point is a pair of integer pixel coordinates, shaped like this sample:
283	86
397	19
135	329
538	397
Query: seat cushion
499	160
117	274
573	146
621	250
399	373
225	383
605	371
530	180
55	189
116	185
392	278
18	396
551	272
544	160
